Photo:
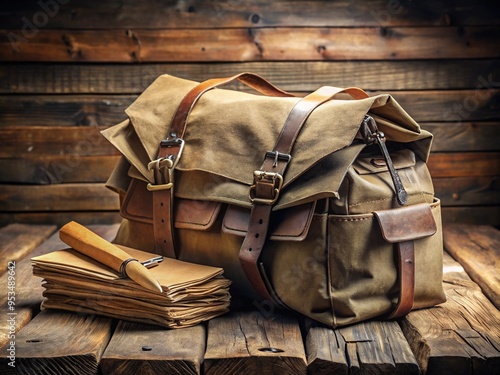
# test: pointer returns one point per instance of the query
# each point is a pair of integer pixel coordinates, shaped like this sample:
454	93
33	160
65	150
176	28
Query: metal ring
124	266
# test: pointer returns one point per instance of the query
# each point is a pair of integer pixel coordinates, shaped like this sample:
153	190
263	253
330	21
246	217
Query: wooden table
461	336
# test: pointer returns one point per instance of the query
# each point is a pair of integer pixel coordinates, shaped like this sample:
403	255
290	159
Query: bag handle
179	122
252	80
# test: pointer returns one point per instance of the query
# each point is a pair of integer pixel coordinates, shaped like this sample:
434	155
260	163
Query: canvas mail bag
323	204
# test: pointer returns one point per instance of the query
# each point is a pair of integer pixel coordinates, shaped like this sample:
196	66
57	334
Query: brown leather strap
163	221
406	270
268	181
254	81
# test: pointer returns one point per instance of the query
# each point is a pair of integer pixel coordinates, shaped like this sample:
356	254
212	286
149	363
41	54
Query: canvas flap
229	132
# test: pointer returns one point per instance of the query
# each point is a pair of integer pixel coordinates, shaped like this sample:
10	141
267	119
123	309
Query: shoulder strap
268	181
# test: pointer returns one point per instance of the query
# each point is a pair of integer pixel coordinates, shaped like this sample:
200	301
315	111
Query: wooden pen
87	242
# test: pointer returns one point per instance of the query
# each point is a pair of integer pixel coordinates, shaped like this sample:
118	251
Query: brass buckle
273	177
157	165
169	162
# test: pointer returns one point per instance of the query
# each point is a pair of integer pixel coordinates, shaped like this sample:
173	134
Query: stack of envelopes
192	293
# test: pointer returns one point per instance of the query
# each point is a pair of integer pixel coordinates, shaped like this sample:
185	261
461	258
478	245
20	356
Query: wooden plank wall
69	68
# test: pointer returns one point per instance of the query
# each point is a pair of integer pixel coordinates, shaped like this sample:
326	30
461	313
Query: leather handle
252	80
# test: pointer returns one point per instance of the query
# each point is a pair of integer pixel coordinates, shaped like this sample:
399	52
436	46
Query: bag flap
188	214
406	223
291	224
229	132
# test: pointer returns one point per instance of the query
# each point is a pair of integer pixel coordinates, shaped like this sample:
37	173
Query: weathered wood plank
461	336
379	347
486	215
477	249
139	348
326	351
258	345
245	13
290	75
18	240
22	141
57	342
56	169
253	44
64	110
371	347
464	164
467	191
107	110
58	197
29	289
464	136
60	218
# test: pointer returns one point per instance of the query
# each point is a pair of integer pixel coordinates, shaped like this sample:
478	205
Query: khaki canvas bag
323	205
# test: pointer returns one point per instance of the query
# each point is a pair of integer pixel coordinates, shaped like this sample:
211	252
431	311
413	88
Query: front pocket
363	276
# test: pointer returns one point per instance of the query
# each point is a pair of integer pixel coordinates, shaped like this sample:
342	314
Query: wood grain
467	191
370	75
106	110
261	345
139	348
371	347
56	169
28	288
60	218
23	141
388	75
485	215
461	336
253	44
464	136
477	249
379	347
93	14
18	240
464	164
326	351
52	343
58	197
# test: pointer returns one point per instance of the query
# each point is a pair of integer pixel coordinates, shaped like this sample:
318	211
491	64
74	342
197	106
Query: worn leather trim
291	224
406	223
405	252
188	214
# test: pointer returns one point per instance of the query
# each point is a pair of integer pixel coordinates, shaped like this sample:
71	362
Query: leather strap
406	267
163	218
266	188
254	81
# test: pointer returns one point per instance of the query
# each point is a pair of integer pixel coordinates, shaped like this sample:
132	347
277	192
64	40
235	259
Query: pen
87	242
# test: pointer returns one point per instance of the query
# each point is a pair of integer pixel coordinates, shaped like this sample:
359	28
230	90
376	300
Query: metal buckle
172	142
169	162
278	156
275	178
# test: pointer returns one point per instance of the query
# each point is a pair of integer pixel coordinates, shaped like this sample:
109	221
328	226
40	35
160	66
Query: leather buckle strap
266	188
406	267
169	155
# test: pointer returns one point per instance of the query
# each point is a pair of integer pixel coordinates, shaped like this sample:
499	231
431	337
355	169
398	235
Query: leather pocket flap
289	224
406	223
189	214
